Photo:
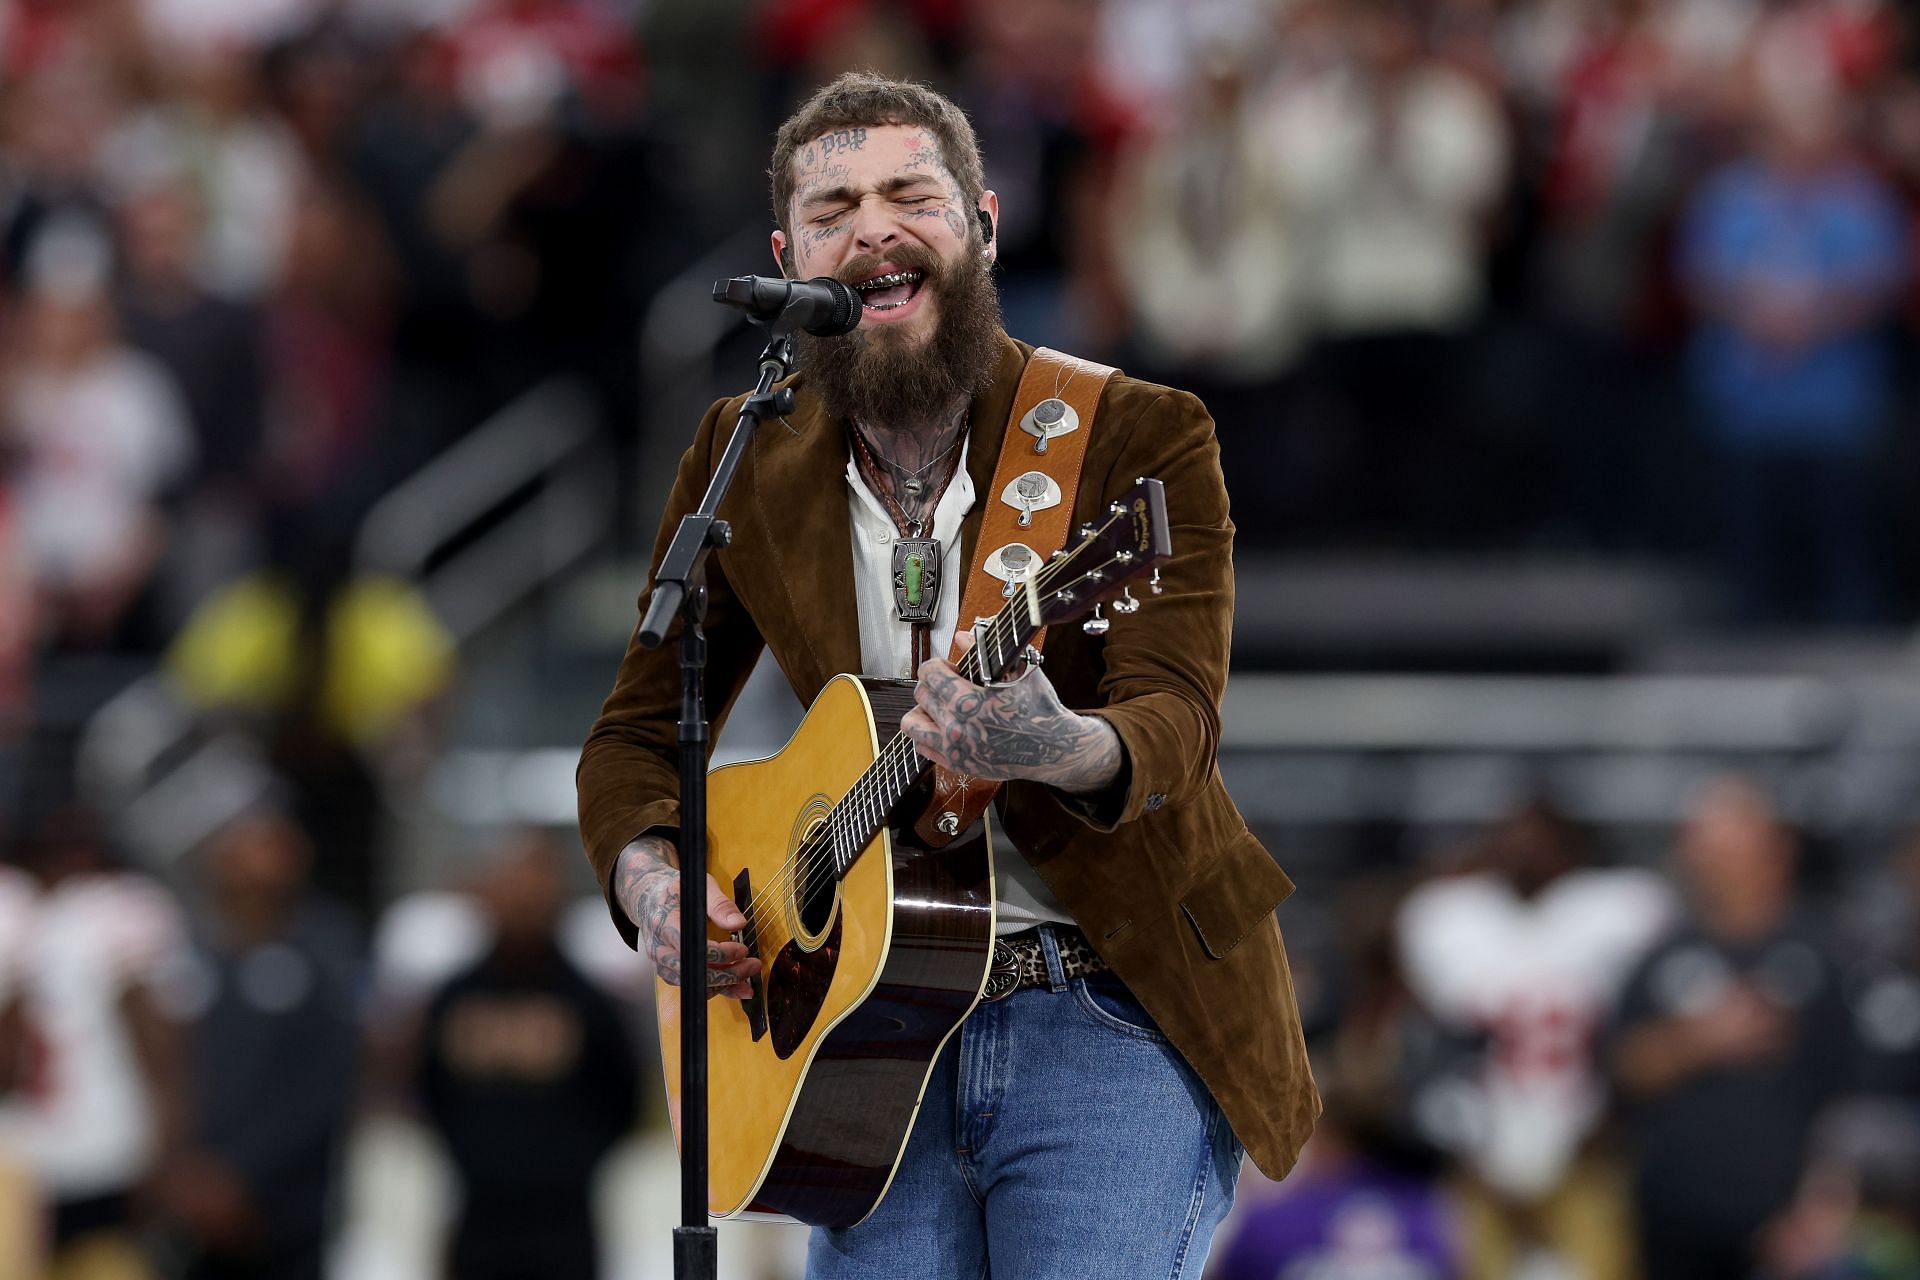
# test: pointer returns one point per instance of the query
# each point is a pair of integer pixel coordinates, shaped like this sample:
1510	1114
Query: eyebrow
847	195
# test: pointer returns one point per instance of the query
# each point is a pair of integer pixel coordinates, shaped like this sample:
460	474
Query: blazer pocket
1238	891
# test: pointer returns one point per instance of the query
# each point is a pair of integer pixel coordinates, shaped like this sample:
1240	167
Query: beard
881	376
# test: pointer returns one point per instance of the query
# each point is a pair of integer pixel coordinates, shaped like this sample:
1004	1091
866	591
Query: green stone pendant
914	565
916	578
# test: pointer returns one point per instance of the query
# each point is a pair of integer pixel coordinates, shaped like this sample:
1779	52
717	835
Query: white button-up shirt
886	649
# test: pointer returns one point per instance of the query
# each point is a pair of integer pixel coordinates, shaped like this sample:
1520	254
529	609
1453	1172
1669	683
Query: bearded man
1090	1122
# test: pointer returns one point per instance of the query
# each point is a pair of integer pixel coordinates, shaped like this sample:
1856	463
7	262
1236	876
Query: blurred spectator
1397	159
97	1089
209	343
1392	162
1793	258
1213	263
242	161
269	1003
100	440
528	1072
1858	1214
212	347
18	621
1344	1212
54	123
1731	1037
328	318
1530	952
1882	982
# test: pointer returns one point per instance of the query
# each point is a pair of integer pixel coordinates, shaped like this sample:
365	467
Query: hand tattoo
647	887
1015	730
646	884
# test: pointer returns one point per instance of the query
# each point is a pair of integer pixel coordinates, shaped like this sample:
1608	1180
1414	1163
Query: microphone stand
679	587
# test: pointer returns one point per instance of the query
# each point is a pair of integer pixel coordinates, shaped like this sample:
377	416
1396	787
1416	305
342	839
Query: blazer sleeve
1166	667
628	779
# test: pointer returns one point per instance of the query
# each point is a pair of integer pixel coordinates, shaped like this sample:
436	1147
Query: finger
963	640
728	977
720	954
721	909
924	734
728	985
939	676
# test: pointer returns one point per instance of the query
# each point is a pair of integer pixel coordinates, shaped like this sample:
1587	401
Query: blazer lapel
799	492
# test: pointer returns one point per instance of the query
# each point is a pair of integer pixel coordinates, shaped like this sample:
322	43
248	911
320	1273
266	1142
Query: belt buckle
1005	975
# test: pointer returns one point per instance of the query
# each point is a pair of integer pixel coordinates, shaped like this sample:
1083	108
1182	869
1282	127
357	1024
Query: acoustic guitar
873	947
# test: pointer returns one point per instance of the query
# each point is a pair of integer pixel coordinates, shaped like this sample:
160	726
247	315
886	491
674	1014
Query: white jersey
83	1121
1538	977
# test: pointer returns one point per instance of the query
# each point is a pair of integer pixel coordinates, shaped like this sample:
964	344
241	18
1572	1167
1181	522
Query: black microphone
822	306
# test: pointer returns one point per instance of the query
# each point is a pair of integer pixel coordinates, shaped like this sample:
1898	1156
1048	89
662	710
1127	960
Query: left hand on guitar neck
1014	730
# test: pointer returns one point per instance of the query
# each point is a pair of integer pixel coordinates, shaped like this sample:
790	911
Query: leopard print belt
1020	960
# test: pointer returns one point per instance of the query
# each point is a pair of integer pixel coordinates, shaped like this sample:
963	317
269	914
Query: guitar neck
871	800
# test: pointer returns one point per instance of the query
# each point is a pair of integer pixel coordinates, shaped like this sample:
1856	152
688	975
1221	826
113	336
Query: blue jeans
1060	1137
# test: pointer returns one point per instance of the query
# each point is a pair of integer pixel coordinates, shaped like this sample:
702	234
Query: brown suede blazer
1176	893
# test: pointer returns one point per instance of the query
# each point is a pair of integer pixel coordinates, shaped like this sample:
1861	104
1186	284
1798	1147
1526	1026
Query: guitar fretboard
872	799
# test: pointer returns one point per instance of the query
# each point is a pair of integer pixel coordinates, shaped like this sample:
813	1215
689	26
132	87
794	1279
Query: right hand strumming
646	884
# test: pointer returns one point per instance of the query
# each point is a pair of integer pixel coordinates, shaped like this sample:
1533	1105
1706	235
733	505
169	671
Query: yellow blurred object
108	1255
238	648
386	653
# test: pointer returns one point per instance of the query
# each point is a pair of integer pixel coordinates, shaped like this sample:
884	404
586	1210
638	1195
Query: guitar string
802	863
810	859
805	863
861	792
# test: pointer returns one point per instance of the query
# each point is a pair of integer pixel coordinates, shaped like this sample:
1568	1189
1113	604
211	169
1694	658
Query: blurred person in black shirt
269	999
1730	1038
529	1073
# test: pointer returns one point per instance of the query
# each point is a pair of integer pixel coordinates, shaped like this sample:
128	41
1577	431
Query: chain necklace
912	484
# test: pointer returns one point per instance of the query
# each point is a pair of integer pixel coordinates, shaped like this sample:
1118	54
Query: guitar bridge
755	1004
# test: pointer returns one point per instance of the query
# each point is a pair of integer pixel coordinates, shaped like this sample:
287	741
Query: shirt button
882	539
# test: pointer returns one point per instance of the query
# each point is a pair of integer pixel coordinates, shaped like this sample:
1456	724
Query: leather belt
1020	960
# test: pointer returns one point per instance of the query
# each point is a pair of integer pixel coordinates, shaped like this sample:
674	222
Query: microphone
822	306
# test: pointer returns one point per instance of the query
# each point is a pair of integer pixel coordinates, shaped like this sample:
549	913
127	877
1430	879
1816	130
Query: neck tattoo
904	455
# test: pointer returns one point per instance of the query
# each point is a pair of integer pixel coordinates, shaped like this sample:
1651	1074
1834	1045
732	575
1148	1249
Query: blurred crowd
1583	277
1538	1065
184	1065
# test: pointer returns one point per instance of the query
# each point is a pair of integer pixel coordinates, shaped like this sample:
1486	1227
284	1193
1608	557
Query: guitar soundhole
816	894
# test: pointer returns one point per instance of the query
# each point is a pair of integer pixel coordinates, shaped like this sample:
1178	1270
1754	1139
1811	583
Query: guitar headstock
1131	539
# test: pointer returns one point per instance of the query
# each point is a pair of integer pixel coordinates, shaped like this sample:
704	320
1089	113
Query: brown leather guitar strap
1028	515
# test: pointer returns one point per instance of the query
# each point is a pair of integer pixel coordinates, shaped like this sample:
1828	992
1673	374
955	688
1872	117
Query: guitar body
813	1085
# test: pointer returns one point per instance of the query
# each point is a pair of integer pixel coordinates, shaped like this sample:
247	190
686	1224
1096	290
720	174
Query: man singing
1091	1121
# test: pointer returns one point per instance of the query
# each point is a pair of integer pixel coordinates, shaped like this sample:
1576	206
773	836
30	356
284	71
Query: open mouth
891	291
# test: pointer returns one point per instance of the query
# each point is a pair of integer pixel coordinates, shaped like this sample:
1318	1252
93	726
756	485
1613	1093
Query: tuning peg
1096	625
1126	603
1154	582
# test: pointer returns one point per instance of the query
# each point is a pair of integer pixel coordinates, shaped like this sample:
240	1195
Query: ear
780	253
990	205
